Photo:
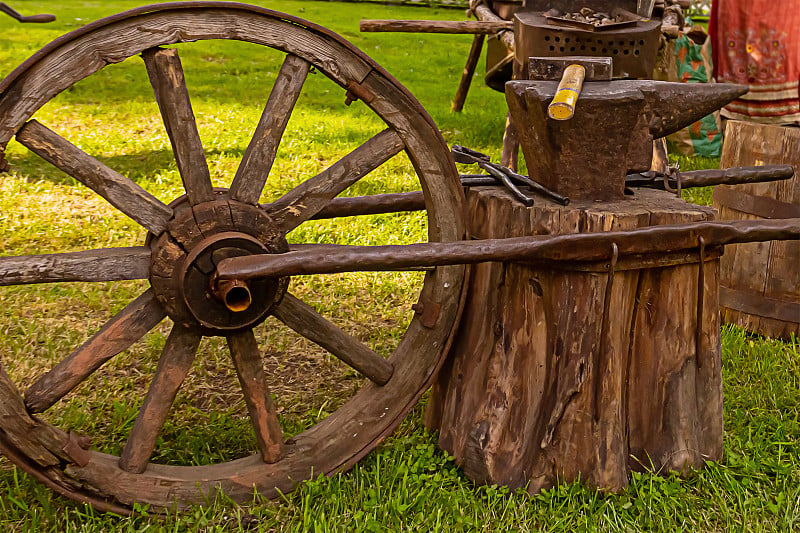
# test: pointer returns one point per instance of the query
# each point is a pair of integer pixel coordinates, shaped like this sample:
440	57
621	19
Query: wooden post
586	372
469	72
437	26
510	155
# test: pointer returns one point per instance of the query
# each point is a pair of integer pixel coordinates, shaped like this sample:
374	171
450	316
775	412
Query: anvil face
611	133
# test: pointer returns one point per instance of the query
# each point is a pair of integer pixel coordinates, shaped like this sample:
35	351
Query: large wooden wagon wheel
187	237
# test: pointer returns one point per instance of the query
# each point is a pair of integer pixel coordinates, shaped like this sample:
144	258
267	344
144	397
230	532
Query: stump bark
587	372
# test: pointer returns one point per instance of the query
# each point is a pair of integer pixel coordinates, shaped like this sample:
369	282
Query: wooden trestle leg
469	72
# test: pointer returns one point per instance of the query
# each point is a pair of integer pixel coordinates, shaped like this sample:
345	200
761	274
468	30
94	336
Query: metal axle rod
540	249
704	178
415	201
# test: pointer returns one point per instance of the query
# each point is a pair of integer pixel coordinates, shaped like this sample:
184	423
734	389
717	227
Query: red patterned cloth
757	42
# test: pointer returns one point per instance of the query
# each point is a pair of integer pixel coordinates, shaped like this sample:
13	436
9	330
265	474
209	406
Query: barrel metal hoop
762	206
757	304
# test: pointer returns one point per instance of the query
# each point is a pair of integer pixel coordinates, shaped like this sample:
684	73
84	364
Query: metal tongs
504	175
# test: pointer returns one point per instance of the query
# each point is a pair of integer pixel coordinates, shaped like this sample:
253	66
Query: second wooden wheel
185	239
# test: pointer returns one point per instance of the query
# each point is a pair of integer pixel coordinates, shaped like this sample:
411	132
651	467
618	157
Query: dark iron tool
703	178
505	175
5	8
468	157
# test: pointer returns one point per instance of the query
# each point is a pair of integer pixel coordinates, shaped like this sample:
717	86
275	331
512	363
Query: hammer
571	71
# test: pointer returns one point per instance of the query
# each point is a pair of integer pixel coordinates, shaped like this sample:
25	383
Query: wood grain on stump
543	386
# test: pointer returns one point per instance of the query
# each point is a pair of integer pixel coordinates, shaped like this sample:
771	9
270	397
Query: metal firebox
633	46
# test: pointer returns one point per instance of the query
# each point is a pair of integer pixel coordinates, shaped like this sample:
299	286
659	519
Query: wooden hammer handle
569	88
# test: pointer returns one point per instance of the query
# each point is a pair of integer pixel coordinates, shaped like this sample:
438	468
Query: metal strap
757	304
762	206
673	173
605	342
701	286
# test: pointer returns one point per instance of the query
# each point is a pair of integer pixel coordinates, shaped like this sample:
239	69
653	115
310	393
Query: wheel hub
184	260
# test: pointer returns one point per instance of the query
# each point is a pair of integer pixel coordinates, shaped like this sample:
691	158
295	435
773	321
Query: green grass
407	484
697	195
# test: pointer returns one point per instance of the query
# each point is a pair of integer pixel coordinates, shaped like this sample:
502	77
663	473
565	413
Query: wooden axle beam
476	27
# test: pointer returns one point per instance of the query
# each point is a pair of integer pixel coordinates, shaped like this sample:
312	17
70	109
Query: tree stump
586	372
760	281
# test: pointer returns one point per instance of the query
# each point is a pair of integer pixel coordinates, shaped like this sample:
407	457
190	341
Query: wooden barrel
760	282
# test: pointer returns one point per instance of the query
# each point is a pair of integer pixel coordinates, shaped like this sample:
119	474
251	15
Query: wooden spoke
260	154
247	361
166	77
107	264
374	204
310	197
172	369
118	190
128	326
303	319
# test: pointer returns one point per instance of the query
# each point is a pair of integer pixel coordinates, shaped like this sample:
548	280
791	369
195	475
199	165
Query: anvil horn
673	106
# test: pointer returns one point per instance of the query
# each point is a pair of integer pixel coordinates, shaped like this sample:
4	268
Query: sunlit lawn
407	483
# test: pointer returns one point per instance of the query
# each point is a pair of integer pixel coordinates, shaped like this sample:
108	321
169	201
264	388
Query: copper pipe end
235	294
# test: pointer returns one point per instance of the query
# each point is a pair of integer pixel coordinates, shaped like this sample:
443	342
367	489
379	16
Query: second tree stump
586	372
